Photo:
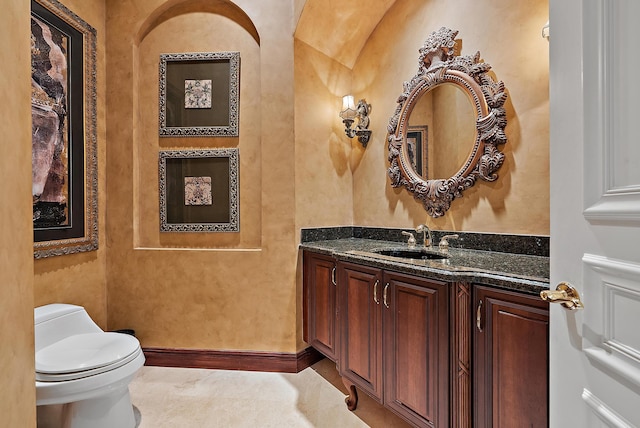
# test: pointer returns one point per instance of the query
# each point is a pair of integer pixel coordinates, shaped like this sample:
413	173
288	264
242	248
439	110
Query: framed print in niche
199	190
64	137
199	94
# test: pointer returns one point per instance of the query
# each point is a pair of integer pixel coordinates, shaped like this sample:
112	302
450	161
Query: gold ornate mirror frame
438	64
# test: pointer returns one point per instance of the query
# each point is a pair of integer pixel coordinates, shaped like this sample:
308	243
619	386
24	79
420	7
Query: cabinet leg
352	398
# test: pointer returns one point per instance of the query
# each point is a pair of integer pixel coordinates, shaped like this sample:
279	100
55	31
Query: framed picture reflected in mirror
417	148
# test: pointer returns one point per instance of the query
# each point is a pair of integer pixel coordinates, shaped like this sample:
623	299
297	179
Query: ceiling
338	28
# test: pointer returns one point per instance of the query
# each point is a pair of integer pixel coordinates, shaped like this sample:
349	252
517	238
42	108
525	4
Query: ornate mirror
448	125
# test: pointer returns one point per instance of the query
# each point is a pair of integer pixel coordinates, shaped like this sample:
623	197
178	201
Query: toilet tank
56	321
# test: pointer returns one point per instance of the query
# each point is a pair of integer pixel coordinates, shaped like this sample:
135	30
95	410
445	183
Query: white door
595	211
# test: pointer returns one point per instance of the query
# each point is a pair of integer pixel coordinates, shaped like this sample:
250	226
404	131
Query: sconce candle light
350	112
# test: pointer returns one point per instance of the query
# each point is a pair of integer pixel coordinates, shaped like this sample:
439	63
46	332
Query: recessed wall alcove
188	27
192	290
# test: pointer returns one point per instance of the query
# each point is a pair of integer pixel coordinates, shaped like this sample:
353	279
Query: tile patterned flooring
176	398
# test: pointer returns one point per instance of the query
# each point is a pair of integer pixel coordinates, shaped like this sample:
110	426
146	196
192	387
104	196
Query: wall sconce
350	112
545	31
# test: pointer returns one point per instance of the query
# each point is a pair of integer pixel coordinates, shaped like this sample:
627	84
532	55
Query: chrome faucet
426	235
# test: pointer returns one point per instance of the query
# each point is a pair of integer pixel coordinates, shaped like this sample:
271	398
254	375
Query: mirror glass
441	132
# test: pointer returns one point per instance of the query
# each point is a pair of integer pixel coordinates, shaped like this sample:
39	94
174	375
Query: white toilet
82	372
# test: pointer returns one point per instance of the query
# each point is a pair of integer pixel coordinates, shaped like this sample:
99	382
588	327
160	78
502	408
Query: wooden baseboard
232	360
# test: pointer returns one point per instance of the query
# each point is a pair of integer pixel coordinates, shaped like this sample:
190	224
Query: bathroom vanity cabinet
394	341
510	359
394	335
438	353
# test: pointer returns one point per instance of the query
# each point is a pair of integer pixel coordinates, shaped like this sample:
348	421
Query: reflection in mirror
448	125
418	149
441	130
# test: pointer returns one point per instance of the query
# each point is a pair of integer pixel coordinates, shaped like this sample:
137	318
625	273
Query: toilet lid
82	353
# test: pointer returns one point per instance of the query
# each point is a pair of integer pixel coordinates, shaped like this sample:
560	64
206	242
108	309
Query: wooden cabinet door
416	335
319	282
510	379
360	296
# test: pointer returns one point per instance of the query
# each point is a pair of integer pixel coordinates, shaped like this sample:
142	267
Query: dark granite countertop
518	272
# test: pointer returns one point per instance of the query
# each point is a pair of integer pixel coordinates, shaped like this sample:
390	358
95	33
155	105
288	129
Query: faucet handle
426	234
444	242
411	242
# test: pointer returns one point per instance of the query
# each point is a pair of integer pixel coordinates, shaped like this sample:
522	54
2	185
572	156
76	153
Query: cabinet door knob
565	294
479	316
375	292
384	295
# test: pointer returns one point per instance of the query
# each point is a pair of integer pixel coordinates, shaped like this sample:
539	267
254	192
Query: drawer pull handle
375	292
479	316
384	295
333	276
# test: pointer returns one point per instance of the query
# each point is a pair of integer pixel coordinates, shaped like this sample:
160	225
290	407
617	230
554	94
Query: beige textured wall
507	34
325	157
232	291
81	278
17	406
508	37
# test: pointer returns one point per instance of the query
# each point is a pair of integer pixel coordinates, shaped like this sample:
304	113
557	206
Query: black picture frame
64	136
417	147
217	206
219	116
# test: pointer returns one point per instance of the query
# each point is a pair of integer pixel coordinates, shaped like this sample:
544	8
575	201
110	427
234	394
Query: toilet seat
84	355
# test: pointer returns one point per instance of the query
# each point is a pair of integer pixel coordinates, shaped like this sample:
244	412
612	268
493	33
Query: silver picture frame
217	211
219	118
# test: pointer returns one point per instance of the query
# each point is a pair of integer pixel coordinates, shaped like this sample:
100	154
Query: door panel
411	348
416	324
595	212
510	360
320	291
361	327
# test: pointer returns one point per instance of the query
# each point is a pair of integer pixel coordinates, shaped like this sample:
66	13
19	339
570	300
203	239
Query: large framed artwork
199	94
64	139
199	190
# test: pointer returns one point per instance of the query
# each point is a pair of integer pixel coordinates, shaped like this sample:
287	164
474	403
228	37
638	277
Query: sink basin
410	254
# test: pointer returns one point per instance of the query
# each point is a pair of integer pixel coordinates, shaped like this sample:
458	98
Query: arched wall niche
212	277
181	29
175	8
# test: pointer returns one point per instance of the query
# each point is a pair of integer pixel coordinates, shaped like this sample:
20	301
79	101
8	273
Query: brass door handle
565	294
